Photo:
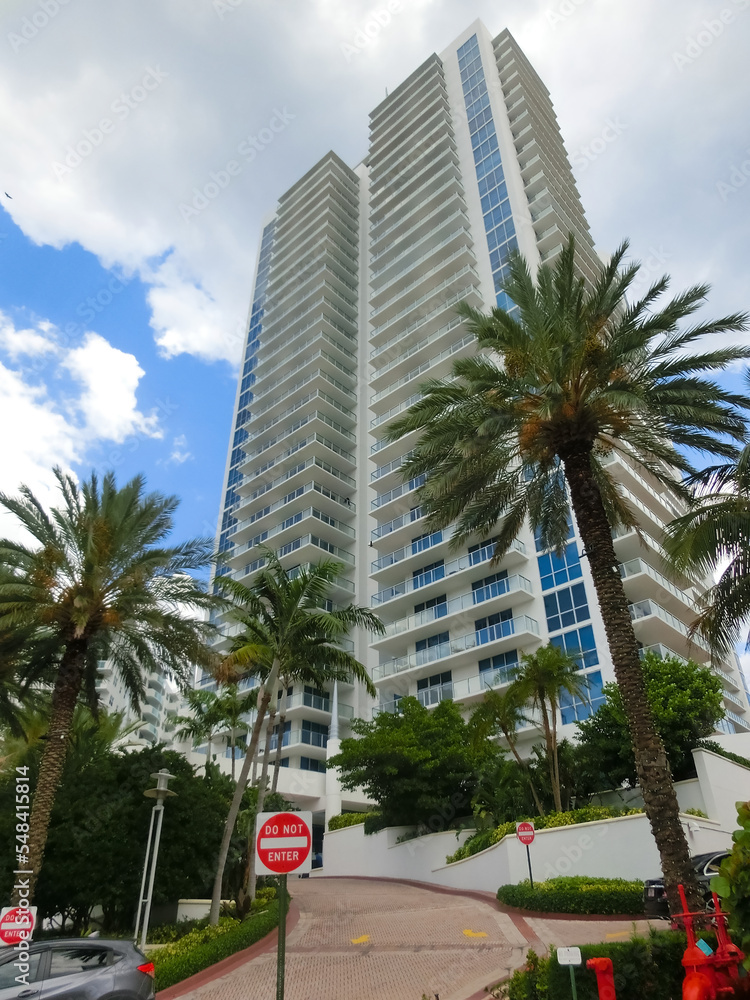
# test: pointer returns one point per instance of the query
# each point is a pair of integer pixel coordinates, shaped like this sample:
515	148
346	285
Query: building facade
359	271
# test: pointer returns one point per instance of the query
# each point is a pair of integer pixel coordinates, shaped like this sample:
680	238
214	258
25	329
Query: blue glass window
566	607
556	570
438	603
427	574
310	764
314	733
575	709
579	642
490	586
500	669
495	626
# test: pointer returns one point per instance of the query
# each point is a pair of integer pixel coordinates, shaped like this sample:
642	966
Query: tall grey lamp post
159	793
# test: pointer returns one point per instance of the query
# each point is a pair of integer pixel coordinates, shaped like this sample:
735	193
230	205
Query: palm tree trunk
279	748
231	744
208	755
64	698
238	793
522	764
652	766
250	877
555	757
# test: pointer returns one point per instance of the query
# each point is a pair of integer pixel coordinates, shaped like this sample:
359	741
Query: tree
96	584
420	765
232	706
543	677
573	374
716	536
203	723
284	623
502	712
686	704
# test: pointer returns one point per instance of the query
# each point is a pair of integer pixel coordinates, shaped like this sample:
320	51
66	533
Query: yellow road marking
618	934
361	940
469	933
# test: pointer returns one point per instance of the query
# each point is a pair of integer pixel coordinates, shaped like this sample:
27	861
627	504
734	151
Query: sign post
570	957
283	846
525	833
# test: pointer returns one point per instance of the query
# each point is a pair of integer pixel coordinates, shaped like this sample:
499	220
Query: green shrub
643	967
696	812
733	883
168	933
589	814
576	894
205	946
719	749
374	822
346	819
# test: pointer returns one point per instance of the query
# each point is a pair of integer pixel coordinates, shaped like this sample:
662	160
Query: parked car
655	895
78	969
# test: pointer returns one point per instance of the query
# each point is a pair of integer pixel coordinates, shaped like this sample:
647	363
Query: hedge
208	945
481	841
576	894
346	819
643	967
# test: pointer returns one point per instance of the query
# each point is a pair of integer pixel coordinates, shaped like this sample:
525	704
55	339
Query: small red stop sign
284	841
525	833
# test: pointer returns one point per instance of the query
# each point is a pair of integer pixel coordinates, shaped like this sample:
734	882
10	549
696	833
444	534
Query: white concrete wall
616	848
689	796
723	783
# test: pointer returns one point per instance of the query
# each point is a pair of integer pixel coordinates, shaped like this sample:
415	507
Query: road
366	939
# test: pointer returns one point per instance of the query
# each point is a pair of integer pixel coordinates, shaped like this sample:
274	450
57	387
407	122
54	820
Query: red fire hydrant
605	980
710	975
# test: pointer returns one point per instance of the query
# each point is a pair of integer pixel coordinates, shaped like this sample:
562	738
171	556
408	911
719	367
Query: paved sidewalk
385	940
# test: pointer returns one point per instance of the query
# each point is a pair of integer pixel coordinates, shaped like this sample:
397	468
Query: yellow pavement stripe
469	933
361	940
618	934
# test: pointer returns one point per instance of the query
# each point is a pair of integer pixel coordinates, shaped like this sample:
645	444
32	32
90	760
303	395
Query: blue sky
115	117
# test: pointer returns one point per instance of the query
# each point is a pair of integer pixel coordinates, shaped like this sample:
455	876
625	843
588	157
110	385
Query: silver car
78	969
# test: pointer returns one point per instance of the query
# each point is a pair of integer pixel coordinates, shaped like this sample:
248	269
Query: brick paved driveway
410	941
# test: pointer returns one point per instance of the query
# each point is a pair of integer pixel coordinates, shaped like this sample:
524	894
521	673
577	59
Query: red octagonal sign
284	843
525	833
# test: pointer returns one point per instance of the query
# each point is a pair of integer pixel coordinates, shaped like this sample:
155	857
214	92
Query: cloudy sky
124	290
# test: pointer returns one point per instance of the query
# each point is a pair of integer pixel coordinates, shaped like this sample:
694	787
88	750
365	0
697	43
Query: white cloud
42	427
109	379
180	451
220	79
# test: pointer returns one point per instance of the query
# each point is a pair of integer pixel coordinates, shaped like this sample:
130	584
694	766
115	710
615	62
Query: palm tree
716	534
572	375
285	623
95	583
232	706
203	723
543	678
502	711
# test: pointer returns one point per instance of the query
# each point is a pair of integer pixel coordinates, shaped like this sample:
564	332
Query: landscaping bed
204	946
649	967
582	894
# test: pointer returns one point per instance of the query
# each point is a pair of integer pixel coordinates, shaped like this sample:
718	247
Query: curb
232	962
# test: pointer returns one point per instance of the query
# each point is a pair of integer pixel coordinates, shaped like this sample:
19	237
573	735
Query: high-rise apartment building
358	275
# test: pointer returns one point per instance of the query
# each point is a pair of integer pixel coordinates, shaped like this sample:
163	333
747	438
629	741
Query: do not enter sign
16	924
283	843
525	833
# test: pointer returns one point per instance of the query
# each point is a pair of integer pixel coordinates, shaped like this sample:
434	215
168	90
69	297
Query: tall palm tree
203	723
284	621
502	711
716	535
232	706
94	582
572	375
543	678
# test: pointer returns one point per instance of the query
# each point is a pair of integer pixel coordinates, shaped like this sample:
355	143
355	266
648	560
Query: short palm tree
94	582
713	536
202	724
544	677
285	624
523	428
233	705
502	712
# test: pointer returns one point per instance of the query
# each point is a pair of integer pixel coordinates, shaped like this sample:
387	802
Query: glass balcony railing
397	522
413	549
520	625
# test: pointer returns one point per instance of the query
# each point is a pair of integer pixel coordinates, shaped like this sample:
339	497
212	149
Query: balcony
641	578
654	623
413	549
306	700
397	522
511	588
504	635
296	737
516	553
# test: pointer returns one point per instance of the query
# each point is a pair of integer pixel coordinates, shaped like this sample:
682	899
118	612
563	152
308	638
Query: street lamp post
159	793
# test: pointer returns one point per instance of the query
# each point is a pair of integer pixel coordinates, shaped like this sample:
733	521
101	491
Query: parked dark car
655	895
78	969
